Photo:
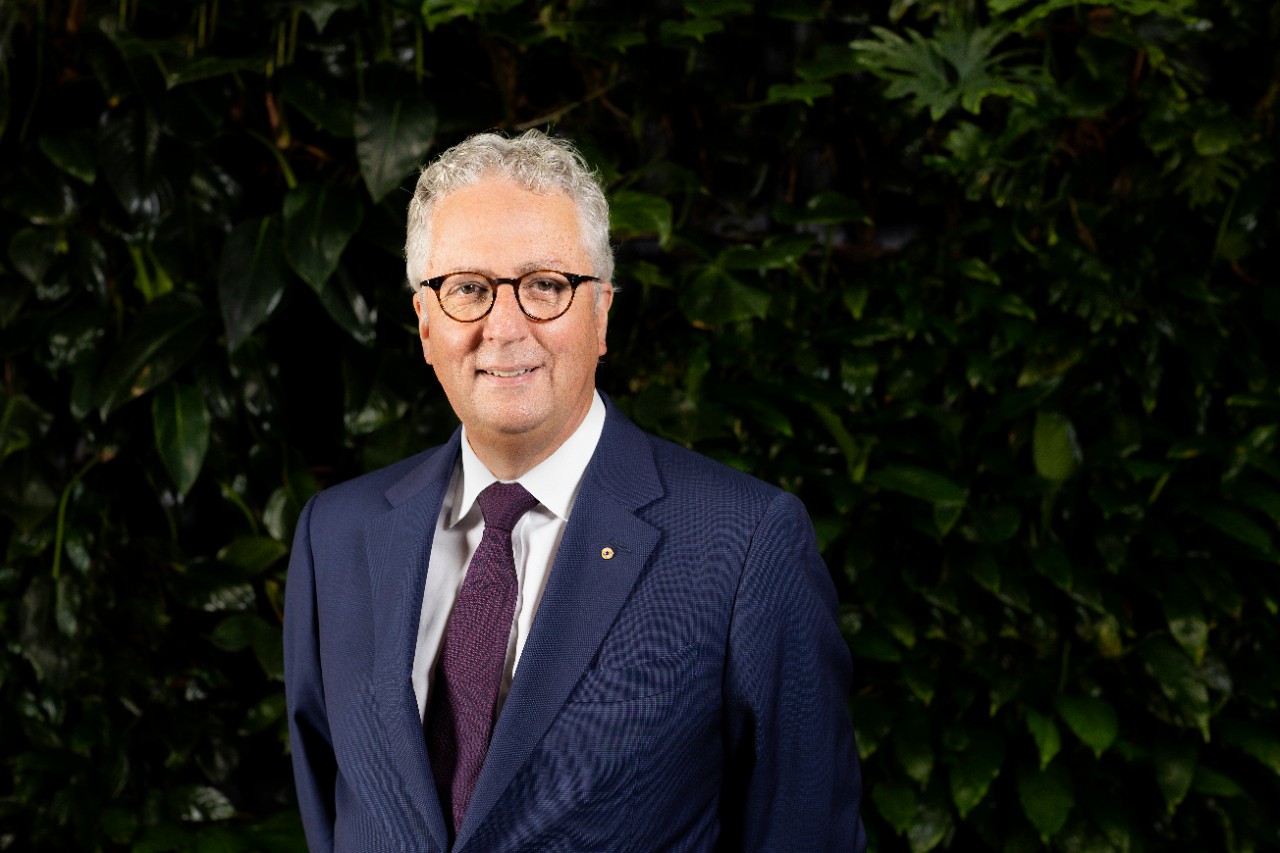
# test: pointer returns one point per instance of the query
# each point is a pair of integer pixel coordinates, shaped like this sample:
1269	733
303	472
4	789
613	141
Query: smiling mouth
507	374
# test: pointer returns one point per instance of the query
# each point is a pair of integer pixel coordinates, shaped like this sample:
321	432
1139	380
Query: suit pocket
606	684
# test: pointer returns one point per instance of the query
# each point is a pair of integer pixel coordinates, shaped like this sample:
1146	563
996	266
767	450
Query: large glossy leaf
251	277
393	135
348	308
130	158
167	333
181	422
319	221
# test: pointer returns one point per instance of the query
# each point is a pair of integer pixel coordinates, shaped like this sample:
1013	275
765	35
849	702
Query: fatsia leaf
393	134
319	221
251	277
181	422
954	68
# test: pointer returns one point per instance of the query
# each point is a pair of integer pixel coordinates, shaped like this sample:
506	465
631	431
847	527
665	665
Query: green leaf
237	632
1093	720
805	93
1238	526
1054	447
913	747
714	298
918	483
825	208
1211	783
1186	620
393	135
202	804
251	277
132	159
348	308
896	802
1175	767
319	221
1179	681
73	153
779	252
1047	797
252	554
1045	733
930	826
181	422
636	214
208	67
697	29
975	769
954	67
322	106
168	332
832	60
1258	742
718	8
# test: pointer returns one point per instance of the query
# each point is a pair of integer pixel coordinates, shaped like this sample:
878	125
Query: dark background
989	285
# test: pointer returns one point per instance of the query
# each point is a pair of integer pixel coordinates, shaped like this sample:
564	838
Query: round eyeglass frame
574	280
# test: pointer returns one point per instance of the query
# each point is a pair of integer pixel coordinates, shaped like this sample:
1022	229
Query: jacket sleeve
792	781
314	765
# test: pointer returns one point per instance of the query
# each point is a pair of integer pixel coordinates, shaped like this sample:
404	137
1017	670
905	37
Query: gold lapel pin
606	553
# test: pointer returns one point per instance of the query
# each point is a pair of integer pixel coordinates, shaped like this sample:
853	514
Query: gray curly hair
535	161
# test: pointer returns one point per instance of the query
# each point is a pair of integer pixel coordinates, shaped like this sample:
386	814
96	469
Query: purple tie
464	696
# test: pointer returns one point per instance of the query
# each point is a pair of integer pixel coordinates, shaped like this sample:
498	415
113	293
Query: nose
506	322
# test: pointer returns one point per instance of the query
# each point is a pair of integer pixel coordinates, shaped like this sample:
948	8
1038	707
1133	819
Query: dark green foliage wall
990	285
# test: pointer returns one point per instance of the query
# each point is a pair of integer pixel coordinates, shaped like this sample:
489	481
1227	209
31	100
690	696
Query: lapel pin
606	553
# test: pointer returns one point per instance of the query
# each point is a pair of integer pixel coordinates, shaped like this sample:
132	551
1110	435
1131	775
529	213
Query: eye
545	284
465	287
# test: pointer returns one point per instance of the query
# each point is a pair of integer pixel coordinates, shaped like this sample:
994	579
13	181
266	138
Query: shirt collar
554	481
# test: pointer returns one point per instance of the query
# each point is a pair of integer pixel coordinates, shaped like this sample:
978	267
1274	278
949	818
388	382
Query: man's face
511	379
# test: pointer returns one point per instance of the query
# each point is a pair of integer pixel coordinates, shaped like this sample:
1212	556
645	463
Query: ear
603	303
424	330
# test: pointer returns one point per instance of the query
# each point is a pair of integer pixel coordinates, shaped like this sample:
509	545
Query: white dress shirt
535	540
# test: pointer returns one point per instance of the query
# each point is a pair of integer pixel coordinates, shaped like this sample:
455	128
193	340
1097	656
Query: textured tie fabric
472	655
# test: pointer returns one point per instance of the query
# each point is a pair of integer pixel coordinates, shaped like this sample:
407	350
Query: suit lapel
584	593
399	548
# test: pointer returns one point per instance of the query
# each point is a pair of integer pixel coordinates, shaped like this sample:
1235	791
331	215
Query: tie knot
502	504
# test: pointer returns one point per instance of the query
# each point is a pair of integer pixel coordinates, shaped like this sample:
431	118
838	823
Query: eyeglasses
542	294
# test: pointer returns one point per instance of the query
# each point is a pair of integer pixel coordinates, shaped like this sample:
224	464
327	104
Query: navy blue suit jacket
688	694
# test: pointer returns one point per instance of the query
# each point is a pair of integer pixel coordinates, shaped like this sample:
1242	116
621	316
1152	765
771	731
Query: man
633	649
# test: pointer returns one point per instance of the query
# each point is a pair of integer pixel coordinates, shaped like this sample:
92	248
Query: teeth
507	374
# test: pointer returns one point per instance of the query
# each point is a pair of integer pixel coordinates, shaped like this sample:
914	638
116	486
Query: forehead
498	226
